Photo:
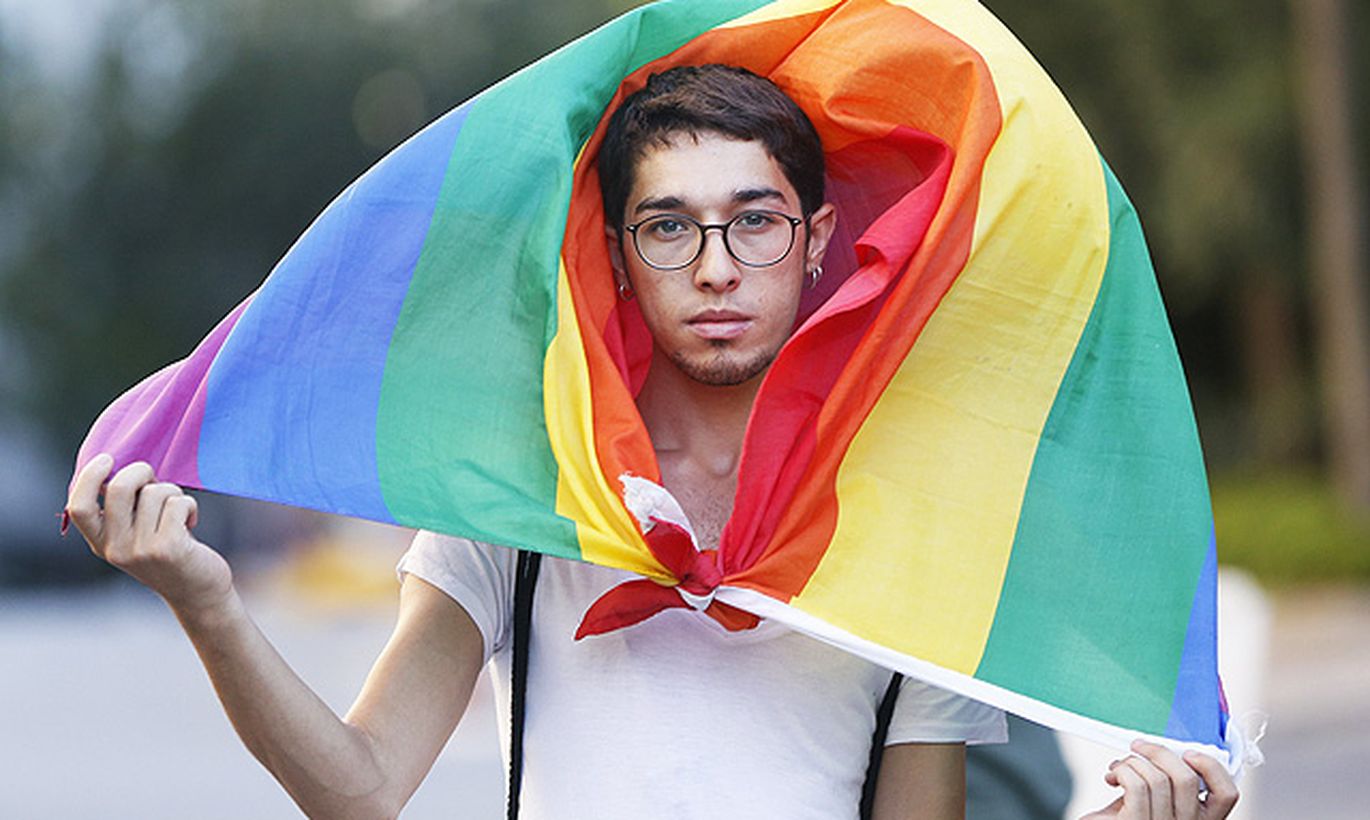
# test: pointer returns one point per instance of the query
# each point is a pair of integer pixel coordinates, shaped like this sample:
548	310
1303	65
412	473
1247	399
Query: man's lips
719	324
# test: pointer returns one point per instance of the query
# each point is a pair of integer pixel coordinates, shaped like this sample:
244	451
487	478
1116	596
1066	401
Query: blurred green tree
1336	208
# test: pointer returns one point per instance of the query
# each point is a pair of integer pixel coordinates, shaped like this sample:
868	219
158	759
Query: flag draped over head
974	461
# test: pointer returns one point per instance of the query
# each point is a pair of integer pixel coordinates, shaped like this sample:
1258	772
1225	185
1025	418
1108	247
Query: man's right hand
144	530
364	766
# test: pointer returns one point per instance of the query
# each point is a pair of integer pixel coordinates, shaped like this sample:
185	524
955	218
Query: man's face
719	321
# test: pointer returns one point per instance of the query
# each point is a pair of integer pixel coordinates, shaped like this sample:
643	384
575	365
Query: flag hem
1037	711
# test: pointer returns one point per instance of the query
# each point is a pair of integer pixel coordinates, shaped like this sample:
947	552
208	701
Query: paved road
105	712
1318	692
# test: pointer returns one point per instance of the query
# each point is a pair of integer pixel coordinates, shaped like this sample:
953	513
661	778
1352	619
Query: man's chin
724	371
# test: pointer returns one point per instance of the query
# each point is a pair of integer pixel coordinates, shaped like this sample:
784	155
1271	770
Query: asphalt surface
106	713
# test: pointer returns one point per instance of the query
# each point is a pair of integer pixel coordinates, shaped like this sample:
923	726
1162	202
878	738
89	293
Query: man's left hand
1160	785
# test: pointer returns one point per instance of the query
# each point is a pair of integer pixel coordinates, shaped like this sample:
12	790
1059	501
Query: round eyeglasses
756	239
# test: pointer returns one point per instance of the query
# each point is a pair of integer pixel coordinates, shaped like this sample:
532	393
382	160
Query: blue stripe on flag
290	411
1195	709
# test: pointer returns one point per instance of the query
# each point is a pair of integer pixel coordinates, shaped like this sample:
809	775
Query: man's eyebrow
754	194
670	202
660	203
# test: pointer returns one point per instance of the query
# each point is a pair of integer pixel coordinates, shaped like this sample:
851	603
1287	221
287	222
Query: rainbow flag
975	460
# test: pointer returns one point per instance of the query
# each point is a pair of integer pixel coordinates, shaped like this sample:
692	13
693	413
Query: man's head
714	150
709	99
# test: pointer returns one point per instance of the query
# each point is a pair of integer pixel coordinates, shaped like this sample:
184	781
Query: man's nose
716	269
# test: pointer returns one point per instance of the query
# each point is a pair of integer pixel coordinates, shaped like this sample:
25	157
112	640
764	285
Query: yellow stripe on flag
606	531
930	490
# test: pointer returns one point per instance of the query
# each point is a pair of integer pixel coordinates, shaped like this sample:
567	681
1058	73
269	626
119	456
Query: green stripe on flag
1116	518
461	440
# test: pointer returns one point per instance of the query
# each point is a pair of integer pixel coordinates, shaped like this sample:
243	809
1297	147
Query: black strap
525	579
883	715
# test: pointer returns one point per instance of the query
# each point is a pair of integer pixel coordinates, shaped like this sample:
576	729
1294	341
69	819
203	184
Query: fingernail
104	458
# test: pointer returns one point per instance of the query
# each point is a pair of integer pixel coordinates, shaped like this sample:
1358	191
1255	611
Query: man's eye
755	220
668	228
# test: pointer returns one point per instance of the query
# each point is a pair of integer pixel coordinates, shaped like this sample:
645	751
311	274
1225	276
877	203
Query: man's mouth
720	324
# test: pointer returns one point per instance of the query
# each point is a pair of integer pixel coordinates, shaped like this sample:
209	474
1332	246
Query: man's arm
921	781
366	766
419	687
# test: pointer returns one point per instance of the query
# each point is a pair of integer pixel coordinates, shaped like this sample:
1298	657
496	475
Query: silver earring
815	275
625	292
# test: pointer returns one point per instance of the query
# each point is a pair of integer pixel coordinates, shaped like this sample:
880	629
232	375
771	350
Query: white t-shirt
675	717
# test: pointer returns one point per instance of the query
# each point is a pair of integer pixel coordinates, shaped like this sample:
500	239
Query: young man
713	190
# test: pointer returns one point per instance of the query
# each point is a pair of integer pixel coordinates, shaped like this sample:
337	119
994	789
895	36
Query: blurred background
158	156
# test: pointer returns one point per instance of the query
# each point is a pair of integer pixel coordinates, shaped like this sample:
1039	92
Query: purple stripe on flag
159	420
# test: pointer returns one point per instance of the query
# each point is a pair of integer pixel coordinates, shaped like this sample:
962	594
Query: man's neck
696	424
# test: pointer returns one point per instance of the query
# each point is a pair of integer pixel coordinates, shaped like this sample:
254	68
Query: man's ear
615	244
822	223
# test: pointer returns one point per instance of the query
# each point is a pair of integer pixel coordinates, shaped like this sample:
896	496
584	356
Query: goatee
722	370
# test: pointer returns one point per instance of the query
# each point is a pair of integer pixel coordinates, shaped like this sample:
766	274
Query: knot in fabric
701	580
697	577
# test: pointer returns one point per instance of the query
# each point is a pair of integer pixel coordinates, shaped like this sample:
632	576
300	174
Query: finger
148	515
179	511
120	494
1109	777
1158	785
83	504
1137	801
1222	791
1183	781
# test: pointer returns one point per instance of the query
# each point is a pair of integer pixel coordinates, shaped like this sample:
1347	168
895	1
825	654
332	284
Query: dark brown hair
709	99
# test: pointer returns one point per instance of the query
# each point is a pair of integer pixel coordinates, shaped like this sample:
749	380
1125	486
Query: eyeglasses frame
722	228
